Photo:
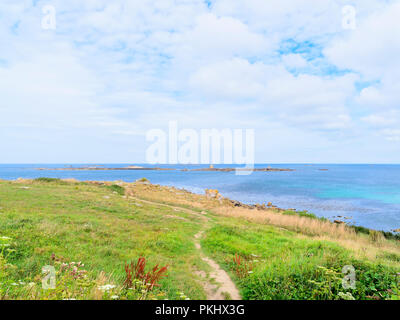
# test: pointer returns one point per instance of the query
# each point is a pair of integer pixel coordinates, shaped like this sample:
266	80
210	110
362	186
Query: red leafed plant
136	271
242	268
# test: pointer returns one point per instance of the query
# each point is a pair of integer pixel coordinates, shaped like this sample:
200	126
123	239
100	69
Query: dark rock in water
338	222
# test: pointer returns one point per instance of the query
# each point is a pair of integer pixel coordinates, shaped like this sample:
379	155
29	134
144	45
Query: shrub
50	180
376	236
116	188
388	235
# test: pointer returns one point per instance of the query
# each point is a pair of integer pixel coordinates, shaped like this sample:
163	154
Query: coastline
106	224
392	234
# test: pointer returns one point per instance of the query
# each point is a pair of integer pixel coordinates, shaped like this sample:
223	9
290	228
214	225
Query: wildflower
114	297
106	287
250	272
346	296
5	238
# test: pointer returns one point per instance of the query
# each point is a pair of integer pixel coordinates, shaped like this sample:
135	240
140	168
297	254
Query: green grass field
65	225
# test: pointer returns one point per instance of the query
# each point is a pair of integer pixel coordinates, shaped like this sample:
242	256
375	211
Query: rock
269	204
236	203
397	230
338	222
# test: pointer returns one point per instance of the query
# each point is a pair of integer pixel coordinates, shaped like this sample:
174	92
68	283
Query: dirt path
224	288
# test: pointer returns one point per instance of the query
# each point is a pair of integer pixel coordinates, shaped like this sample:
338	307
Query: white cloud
224	37
110	71
230	79
373	47
294	61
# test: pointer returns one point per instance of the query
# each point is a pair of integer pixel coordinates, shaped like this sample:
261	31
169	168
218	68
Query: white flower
106	287
114	297
250	272
5	238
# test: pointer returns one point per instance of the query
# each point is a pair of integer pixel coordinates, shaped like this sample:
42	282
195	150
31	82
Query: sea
367	195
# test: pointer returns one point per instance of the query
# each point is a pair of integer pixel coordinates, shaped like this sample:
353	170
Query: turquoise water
369	194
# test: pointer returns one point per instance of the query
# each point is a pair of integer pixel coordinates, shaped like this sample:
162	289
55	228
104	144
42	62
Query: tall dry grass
365	246
370	246
309	226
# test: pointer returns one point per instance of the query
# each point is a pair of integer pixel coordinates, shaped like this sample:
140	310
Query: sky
313	89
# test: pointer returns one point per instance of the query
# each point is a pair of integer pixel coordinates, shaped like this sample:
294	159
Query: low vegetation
65	239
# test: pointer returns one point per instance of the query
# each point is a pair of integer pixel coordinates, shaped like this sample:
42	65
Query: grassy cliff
89	232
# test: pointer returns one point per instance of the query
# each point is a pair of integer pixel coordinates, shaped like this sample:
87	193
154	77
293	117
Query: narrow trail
224	288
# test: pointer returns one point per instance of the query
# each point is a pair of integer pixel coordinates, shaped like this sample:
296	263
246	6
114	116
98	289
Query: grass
104	226
98	227
286	266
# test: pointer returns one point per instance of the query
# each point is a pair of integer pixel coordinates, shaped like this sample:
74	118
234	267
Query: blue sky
89	90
